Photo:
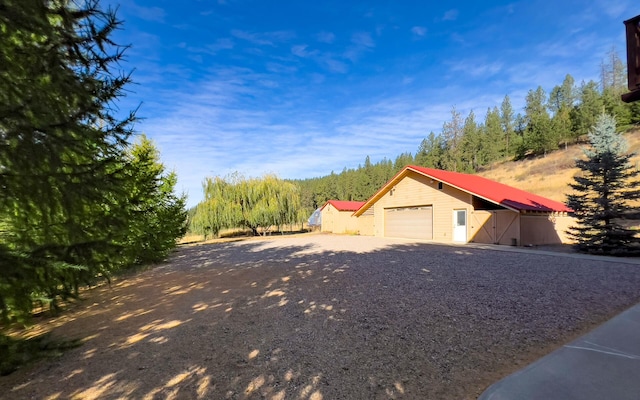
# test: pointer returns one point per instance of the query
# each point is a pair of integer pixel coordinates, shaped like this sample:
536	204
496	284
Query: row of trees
351	184
257	204
77	200
465	144
549	121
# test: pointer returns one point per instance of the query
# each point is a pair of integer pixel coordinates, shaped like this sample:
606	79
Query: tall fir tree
539	137
590	105
156	215
431	152
65	203
452	132
507	120
471	146
61	149
494	146
561	103
614	84
602	194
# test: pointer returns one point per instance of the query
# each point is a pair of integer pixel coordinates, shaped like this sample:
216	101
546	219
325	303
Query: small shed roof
492	191
342	205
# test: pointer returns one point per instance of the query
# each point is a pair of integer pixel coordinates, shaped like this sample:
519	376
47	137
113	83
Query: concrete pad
603	364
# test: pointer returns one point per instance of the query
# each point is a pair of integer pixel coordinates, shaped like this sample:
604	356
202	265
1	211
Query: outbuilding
337	216
445	206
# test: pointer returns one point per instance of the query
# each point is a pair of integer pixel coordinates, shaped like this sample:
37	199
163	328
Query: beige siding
365	223
495	227
545	229
338	221
328	213
562	223
418	190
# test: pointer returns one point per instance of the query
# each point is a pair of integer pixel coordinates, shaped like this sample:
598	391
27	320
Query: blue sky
302	88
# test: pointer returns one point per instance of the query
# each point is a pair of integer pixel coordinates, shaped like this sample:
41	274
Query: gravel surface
324	317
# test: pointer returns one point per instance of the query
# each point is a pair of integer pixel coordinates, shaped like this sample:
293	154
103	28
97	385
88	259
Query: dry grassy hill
549	176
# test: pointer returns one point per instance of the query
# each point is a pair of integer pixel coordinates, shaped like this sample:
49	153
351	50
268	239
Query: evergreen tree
364	181
431	152
156	215
452	132
590	105
635	112
561	102
613	72
563	96
602	194
539	137
614	84
561	125
493	143
62	202
471	145
507	120
73	204
402	161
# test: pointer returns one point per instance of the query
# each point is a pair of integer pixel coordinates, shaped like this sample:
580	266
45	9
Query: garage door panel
409	222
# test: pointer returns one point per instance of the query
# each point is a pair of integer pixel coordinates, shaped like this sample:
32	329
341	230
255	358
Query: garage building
337	216
445	206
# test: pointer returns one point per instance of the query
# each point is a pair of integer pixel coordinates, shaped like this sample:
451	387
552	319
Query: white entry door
460	226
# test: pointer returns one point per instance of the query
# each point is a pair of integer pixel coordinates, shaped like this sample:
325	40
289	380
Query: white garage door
409	222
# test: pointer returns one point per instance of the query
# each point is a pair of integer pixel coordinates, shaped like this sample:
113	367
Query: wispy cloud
212	48
419	30
213	121
362	39
361	42
567	47
325	59
476	68
325	37
616	9
155	14
300	50
450	15
333	65
221	44
279	68
458	38
264	38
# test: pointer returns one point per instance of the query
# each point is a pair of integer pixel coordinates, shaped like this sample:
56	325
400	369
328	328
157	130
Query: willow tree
255	203
603	193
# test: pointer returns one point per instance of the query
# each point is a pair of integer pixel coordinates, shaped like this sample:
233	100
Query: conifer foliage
602	194
74	198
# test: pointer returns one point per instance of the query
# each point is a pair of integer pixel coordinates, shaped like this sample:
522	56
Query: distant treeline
549	121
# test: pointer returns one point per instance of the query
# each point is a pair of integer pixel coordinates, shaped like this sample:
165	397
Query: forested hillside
473	144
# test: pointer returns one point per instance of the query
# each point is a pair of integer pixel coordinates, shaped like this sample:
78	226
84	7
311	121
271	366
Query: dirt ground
324	317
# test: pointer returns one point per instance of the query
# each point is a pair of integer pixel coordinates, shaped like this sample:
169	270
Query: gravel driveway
325	317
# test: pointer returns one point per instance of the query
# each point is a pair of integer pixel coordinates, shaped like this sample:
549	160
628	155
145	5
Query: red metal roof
341	205
493	191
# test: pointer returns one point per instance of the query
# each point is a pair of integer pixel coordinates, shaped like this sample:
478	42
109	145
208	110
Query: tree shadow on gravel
287	319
